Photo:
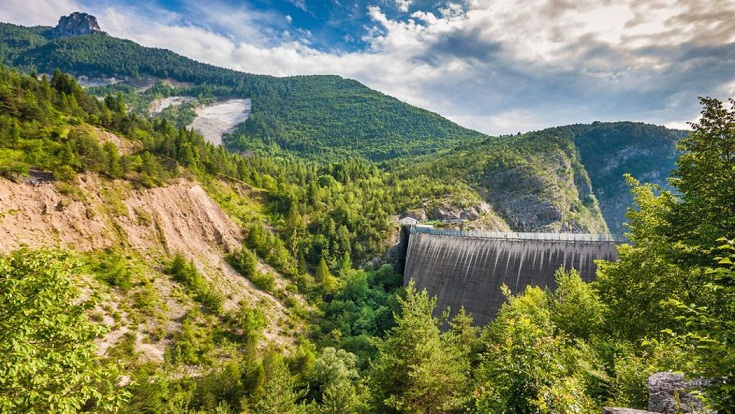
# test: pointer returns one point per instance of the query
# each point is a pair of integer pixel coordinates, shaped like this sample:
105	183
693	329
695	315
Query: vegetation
372	346
47	340
320	117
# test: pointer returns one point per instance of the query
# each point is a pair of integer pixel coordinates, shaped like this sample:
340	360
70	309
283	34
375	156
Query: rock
548	212
613	410
76	24
440	213
484	208
419	214
670	393
470	214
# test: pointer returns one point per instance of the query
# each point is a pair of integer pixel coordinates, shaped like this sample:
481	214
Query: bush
206	294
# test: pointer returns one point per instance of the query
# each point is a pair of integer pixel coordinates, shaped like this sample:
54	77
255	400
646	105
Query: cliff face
76	24
548	191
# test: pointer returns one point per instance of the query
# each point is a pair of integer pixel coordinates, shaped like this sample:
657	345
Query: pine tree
418	370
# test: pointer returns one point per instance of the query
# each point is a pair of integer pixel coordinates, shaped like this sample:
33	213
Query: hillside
318	117
536	182
611	150
568	179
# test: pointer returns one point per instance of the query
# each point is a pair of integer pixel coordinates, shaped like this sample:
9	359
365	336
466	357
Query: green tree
324	278
704	176
47	353
417	369
528	368
575	307
338	383
276	395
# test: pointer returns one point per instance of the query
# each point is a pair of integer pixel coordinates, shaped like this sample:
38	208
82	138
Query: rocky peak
76	24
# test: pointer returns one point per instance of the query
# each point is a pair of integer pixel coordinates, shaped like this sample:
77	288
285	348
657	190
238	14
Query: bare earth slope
155	223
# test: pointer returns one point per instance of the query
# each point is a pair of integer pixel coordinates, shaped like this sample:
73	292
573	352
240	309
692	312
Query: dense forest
372	345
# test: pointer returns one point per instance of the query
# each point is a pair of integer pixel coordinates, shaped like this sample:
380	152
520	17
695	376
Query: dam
467	268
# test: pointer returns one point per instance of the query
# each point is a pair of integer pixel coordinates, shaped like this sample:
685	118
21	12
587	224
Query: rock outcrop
671	393
76	24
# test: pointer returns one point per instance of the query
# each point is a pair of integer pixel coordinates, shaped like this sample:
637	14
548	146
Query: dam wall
468	268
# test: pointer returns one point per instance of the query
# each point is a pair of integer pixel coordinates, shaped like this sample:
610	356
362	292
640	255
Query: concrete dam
466	268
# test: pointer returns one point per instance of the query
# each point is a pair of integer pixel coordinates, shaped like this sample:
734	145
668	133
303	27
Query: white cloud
36	12
403	5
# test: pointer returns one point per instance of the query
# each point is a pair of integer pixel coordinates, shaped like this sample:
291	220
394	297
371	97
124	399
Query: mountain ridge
322	116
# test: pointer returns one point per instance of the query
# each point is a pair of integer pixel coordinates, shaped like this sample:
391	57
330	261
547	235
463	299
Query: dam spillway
468	268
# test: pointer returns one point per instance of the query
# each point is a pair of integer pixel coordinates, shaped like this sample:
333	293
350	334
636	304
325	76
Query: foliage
529	367
418	370
48	361
338	382
204	292
321	117
669	287
361	309
276	394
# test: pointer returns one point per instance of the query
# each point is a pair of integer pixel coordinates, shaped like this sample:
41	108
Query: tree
47	353
704	176
324	278
528	368
276	395
673	284
338	383
417	369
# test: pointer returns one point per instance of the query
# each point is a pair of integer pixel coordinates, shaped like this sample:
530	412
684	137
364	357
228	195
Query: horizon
496	69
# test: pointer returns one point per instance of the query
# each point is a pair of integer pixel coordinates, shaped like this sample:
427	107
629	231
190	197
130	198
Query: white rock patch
214	120
157	106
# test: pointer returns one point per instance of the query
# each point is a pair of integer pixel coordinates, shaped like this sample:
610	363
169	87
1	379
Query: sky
497	66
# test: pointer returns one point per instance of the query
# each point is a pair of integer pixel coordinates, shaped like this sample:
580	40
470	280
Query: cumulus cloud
403	5
36	12
500	67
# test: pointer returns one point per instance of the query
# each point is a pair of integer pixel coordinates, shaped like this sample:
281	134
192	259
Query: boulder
76	24
671	393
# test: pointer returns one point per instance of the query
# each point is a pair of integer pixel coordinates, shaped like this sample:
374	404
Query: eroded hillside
146	227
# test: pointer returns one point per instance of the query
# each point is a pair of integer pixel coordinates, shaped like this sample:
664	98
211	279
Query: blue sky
498	66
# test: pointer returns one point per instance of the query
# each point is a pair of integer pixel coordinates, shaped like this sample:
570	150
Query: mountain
568	179
611	150
320	117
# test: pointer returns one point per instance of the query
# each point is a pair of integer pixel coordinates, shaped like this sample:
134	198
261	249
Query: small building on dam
467	268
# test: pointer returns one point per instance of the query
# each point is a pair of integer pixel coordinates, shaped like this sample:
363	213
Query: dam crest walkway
499	235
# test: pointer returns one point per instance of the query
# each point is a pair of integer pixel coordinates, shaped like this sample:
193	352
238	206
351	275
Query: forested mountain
325	117
541	181
147	270
560	178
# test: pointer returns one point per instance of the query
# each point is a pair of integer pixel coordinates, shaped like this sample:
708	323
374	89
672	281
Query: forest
371	344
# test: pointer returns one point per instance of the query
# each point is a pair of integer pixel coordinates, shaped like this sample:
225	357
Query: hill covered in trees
568	178
561	179
324	117
371	345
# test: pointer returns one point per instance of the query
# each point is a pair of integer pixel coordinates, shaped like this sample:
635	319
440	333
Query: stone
76	24
615	410
470	214
670	393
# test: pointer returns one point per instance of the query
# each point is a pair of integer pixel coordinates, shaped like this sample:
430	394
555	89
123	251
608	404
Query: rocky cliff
76	24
